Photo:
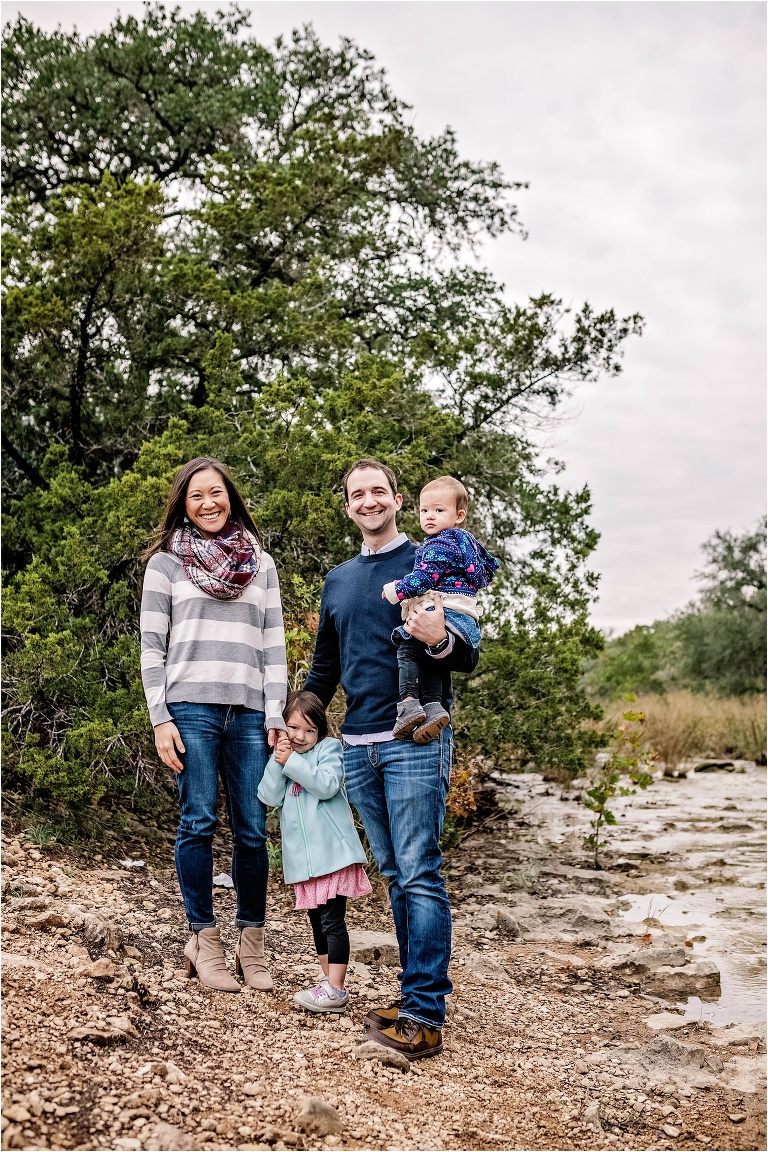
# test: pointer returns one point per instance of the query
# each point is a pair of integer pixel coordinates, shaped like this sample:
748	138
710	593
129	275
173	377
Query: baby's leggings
330	930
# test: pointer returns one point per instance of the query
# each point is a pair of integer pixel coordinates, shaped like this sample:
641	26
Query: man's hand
272	735
168	741
283	748
427	625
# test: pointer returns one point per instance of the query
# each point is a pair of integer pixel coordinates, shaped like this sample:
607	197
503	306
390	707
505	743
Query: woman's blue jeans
399	788
229	741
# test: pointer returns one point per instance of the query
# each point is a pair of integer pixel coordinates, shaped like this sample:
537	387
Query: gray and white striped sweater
219	651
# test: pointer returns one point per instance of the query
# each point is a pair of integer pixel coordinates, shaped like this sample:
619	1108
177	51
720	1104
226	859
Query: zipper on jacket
304	837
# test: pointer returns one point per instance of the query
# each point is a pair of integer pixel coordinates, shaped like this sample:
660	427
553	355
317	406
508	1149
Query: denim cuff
240	924
199	927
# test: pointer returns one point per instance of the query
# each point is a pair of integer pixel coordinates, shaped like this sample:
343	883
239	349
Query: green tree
218	248
716	644
287	203
723	637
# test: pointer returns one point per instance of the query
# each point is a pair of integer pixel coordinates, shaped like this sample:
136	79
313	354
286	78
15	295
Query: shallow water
704	837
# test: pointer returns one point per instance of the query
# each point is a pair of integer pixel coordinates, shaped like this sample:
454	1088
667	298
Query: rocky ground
556	1038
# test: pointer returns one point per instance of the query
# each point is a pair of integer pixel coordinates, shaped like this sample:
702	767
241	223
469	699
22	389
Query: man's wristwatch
437	649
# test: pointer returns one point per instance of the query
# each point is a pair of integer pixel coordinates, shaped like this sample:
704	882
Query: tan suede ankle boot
204	958
250	959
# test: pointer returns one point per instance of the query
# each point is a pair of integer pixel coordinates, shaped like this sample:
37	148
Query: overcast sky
641	128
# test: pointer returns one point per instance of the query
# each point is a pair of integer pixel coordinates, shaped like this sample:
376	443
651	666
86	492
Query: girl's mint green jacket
317	827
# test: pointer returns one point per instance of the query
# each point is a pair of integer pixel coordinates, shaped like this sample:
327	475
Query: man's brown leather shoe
415	1041
383	1017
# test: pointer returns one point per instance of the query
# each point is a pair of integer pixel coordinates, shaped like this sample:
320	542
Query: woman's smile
207	504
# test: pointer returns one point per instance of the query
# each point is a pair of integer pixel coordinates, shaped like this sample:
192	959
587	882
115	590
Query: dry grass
684	725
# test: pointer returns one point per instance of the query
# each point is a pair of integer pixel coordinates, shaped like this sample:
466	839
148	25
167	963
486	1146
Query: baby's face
438	511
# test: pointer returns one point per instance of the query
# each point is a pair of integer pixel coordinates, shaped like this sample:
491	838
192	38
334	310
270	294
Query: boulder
168	1138
46	920
484	967
740	1035
374	947
101	933
643	961
370	1050
318	1117
666	1022
699	978
102	969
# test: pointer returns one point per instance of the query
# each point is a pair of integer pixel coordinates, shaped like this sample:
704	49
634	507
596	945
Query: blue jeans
230	741
399	788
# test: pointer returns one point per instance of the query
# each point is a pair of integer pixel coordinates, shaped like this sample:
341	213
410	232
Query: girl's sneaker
322	998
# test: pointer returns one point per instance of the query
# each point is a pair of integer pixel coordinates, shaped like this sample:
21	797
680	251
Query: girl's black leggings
330	930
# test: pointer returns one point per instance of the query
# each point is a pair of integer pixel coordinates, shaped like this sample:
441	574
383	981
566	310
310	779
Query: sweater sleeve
324	779
273	647
271	790
155	622
325	673
427	573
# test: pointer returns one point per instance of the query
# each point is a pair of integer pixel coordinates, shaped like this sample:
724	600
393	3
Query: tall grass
685	726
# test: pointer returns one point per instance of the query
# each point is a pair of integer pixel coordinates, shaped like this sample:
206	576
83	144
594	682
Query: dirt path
539	1046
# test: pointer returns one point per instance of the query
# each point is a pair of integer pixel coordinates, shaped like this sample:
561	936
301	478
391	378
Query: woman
216	691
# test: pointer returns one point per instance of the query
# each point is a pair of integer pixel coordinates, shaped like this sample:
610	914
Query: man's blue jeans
229	741
399	788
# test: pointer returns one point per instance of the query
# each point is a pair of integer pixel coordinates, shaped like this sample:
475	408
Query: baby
453	563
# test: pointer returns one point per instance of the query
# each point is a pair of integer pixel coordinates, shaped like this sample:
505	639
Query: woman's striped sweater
219	651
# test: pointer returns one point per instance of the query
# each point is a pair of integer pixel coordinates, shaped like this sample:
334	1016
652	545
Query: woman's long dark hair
175	508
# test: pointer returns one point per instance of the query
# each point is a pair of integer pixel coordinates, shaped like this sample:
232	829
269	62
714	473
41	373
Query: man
398	787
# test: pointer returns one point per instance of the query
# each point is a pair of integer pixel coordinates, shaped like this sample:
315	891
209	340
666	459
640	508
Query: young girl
322	854
453	563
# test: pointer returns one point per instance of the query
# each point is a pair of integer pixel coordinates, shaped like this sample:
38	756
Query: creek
689	851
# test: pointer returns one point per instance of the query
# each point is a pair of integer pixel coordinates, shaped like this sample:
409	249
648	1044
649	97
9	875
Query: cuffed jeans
229	741
399	788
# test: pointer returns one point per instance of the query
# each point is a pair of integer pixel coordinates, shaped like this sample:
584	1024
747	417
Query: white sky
641	128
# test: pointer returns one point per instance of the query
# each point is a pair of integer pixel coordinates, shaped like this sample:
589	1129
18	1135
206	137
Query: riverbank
556	1038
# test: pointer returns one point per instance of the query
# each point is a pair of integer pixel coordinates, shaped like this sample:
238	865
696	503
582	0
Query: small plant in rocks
525	878
628	761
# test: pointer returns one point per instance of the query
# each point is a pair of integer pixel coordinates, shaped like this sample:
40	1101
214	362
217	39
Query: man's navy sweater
354	642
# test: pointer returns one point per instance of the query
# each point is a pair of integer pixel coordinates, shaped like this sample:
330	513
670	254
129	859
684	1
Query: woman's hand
168	741
283	748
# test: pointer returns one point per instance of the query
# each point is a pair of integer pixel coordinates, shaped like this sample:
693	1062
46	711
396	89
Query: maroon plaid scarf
224	566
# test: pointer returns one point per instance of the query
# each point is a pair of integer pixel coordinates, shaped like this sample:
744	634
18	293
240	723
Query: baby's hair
310	707
455	487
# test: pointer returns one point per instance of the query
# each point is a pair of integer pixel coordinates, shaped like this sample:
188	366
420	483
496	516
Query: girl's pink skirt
350	881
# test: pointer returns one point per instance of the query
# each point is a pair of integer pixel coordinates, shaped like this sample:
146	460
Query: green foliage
641	660
217	248
717	644
627	759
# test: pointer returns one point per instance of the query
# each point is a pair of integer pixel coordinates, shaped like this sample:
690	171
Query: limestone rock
165	1137
101	933
48	919
370	1050
12	960
102	969
666	1022
318	1116
698	978
591	1117
374	947
737	1035
507	922
16	1113
484	967
643	961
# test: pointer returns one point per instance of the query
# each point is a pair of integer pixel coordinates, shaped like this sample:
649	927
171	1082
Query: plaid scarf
224	566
